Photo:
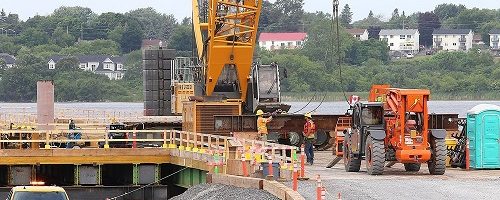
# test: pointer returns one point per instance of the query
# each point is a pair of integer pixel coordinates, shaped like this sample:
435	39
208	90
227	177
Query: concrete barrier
281	191
238	181
273	187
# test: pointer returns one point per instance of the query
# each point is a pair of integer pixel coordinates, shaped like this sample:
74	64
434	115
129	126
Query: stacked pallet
157	79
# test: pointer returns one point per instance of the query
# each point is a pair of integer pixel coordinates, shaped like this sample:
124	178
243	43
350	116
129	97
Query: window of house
392	36
445	36
263	43
290	44
282	44
445	44
454	44
392	44
299	43
119	67
402	37
272	42
408	36
82	66
358	36
93	67
52	66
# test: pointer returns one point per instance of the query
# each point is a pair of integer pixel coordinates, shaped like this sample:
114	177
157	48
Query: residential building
360	34
401	40
110	66
452	39
275	41
148	43
10	61
494	39
477	40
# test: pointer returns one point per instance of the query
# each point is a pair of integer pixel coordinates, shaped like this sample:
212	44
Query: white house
494	39
275	41
9	60
360	34
402	40
452	39
110	66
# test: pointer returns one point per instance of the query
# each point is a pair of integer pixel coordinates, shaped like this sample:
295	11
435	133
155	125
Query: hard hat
308	115
260	112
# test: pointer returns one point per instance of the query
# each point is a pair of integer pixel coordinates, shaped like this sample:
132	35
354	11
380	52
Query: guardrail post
188	141
180	141
106	139
209	142
47	138
195	142
165	139
134	137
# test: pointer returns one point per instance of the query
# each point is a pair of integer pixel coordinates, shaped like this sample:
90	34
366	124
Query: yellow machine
226	32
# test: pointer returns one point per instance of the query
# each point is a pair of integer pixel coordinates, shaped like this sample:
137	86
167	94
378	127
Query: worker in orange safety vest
262	125
309	137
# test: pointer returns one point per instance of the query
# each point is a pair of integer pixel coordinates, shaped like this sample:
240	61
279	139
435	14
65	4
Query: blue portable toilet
483	132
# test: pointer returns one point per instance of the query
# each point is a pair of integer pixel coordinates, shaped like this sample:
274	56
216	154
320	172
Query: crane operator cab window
372	115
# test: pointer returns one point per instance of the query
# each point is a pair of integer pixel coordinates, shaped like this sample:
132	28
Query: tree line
72	31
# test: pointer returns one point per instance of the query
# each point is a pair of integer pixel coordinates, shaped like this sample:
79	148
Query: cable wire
335	18
310	100
127	193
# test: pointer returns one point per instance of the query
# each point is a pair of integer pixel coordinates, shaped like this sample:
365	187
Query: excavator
393	126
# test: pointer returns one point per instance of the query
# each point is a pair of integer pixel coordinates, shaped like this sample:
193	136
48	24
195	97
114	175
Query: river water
440	107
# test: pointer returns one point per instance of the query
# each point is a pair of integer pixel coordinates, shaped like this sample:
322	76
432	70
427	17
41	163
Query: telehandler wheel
351	164
437	163
374	156
412	167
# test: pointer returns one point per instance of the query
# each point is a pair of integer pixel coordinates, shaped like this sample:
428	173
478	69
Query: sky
360	8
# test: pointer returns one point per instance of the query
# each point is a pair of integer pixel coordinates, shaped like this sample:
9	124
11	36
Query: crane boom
226	42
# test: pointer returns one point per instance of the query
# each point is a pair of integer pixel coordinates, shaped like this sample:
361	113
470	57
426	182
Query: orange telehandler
393	126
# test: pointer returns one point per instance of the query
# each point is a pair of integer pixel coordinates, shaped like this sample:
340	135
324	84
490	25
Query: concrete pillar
44	107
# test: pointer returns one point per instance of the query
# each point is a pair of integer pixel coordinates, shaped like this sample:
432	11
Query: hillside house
360	34
275	41
110	66
452	39
401	40
494	39
10	61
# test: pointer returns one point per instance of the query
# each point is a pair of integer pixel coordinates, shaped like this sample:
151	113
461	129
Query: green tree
73	19
62	37
371	20
95	47
182	38
346	16
288	14
427	22
446	11
132	36
153	24
33	37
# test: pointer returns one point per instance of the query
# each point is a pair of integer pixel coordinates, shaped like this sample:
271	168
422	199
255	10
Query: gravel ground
395	183
223	192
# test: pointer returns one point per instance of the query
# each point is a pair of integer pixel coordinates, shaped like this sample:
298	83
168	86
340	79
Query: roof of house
282	36
398	31
93	58
444	31
477	37
495	31
356	31
150	42
8	59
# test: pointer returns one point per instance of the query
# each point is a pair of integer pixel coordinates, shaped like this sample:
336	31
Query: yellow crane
226	32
